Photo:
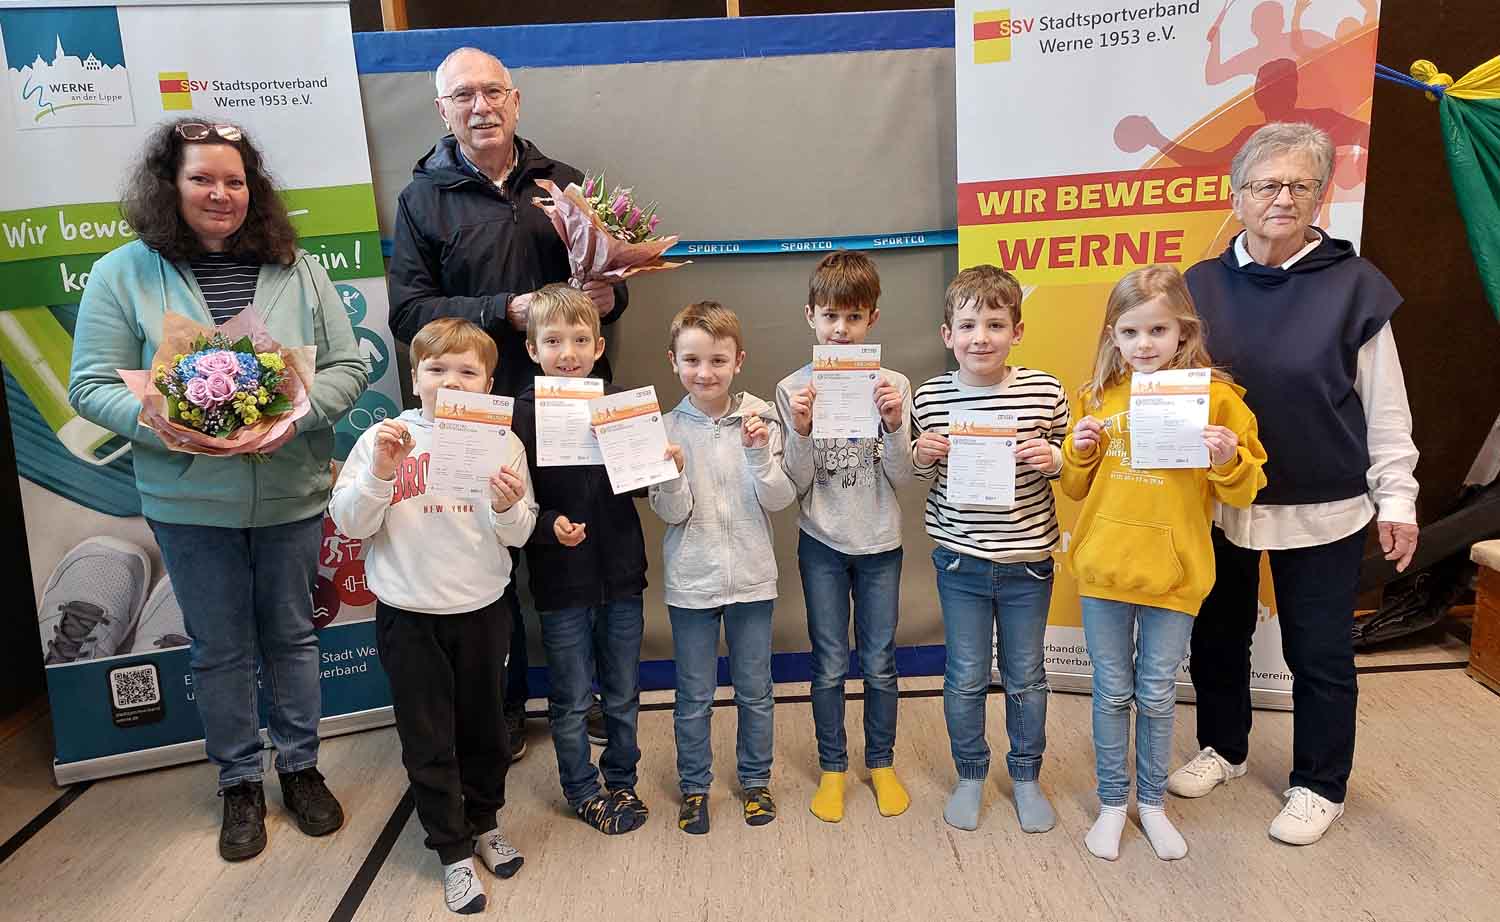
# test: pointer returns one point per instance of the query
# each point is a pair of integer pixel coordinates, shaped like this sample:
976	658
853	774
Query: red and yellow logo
176	90
992	34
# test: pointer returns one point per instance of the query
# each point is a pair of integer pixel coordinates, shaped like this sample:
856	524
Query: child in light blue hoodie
720	564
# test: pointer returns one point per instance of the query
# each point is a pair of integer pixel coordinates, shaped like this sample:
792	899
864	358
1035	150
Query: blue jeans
828	579
246	593
1139	666
979	599
576	639
695	648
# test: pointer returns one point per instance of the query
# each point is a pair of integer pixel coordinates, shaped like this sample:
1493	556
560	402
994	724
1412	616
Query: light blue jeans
246	596
695	650
1136	651
829	580
979	599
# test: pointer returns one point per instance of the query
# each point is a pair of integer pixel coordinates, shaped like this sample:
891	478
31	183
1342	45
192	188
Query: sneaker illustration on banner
93	600
160	626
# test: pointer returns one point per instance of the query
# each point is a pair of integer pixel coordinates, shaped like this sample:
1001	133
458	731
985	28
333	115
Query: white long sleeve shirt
427	553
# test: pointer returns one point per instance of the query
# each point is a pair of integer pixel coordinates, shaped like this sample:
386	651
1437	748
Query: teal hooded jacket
129	292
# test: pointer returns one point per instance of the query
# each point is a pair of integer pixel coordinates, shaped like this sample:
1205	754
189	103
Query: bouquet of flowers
222	391
609	236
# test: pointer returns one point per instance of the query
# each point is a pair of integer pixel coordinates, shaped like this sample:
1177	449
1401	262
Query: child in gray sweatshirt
719	560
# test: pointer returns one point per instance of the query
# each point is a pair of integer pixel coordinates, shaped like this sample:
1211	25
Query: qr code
135	686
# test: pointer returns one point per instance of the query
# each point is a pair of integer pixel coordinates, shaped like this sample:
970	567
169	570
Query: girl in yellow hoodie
1141	551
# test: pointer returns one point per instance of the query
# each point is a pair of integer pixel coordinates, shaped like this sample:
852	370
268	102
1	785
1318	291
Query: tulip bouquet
609	236
225	391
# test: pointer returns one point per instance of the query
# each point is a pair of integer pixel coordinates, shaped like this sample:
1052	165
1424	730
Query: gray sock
963	804
1032	808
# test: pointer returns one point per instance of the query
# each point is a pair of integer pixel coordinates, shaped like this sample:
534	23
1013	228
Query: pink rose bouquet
225	391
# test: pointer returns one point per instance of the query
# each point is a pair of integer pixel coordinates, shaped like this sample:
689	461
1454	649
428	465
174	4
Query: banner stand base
162	756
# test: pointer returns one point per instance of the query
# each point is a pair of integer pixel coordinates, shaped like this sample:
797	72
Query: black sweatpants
1315	595
447	673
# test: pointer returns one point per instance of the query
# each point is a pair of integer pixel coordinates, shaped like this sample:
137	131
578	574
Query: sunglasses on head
198	131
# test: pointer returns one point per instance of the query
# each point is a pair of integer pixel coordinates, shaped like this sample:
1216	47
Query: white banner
1095	137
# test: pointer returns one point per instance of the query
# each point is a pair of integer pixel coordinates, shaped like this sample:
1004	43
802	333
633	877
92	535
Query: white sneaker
1305	817
1206	771
462	889
498	854
161	625
92	601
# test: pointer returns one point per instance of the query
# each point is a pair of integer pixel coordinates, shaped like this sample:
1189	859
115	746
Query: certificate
1168	411
468	443
632	439
564	434
845	378
982	458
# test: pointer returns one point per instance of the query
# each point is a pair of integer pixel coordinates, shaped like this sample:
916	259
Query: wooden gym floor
1417	843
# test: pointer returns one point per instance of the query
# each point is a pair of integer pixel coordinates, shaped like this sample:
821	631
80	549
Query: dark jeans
576	639
246	595
446	672
516	688
1315	594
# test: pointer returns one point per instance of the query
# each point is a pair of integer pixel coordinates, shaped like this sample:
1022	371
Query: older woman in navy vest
1304	324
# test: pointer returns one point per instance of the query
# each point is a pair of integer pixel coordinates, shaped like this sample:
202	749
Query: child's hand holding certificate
982	458
1168	413
564	432
468	443
845	378
632	439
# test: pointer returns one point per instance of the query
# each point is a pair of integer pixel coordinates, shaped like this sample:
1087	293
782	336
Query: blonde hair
560	303
988	287
713	318
1130	292
451	335
844	279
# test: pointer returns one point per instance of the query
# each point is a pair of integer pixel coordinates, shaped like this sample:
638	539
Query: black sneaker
626	799
605	815
243	834
317	810
760	809
515	725
598	735
692	818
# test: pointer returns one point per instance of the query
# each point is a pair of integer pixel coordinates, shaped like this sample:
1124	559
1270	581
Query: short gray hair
1279	138
454	54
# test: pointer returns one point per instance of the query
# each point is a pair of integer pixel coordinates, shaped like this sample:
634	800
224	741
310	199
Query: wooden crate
1484	647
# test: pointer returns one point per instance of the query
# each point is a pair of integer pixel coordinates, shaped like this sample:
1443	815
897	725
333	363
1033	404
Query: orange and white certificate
845	378
468	443
632	439
1168	411
982	458
564	434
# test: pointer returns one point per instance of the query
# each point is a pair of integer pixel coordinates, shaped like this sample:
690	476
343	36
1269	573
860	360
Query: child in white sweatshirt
439	569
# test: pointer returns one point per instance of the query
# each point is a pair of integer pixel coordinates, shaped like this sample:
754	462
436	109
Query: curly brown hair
150	205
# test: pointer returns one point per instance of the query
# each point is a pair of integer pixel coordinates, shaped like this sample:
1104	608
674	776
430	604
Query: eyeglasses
1266	190
197	131
494	94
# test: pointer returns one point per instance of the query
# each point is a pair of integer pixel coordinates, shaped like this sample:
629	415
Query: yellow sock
890	796
828	803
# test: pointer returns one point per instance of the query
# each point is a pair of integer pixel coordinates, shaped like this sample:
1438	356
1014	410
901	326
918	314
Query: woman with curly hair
240	540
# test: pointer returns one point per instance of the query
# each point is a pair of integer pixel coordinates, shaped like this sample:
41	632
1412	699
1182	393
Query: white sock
1104	836
462	890
1165	840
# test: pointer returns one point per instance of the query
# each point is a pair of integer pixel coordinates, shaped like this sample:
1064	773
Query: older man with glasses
469	243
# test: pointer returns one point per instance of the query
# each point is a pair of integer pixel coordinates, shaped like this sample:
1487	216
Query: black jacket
610	564
463	248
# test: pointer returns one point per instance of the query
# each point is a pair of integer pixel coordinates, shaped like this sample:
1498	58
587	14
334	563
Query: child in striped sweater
994	564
